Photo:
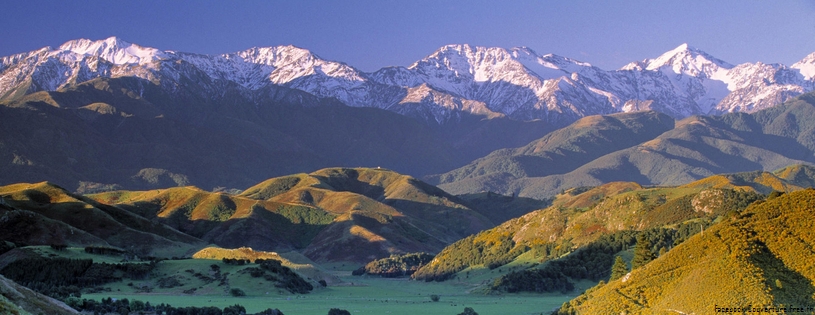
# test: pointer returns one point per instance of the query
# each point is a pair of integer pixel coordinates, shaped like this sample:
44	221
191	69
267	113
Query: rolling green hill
337	214
762	257
46	214
665	154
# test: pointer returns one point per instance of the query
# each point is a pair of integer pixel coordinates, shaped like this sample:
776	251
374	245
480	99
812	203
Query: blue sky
374	34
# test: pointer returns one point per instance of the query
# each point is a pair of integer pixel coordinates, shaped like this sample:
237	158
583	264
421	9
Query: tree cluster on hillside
235	261
595	260
489	249
125	307
102	250
283	277
395	265
64	277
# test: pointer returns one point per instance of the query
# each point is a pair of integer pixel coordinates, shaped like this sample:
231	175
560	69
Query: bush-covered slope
580	216
395	266
762	257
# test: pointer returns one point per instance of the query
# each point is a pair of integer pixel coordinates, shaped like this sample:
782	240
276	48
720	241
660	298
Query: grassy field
359	295
369	296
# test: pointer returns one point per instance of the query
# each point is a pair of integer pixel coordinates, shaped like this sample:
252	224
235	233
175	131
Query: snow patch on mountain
539	65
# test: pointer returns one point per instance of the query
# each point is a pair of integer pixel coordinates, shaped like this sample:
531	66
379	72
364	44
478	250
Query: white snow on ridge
541	67
114	50
516	82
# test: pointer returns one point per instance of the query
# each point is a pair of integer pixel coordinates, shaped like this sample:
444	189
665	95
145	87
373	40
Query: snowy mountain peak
451	67
806	66
275	56
114	50
87	46
462	57
808	59
685	59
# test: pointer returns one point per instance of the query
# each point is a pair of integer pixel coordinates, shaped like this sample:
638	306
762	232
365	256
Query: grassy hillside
692	149
761	257
799	175
19	300
758	181
337	214
560	151
581	216
45	214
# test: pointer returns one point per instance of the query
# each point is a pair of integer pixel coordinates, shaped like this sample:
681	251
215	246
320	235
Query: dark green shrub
336	311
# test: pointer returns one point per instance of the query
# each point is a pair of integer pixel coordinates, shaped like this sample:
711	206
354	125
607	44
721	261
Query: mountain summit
688	61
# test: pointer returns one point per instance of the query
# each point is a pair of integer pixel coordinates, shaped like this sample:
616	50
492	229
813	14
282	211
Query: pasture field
368	295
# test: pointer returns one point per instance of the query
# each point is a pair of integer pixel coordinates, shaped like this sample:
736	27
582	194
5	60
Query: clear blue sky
377	33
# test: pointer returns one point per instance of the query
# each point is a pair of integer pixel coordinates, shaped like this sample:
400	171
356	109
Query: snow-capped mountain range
454	80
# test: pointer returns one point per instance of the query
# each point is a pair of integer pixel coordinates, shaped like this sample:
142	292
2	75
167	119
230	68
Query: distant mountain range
108	114
649	148
127	133
450	82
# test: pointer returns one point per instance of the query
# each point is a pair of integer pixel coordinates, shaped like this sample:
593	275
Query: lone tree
337	311
468	311
642	252
619	269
